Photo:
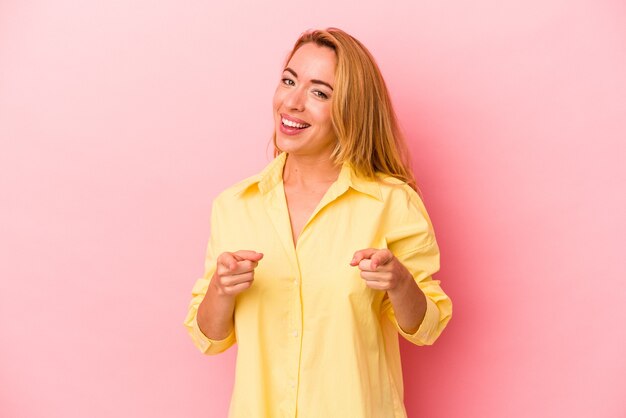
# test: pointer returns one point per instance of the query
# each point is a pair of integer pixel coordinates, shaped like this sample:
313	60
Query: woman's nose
295	99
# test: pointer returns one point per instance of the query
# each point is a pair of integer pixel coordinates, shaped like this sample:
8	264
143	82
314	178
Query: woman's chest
319	265
300	206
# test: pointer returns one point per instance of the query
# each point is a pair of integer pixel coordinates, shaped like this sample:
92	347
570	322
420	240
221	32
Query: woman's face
302	102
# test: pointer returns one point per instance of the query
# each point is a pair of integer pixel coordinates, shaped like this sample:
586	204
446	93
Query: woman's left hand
381	269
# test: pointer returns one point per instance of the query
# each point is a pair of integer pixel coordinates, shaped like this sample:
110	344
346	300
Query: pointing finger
248	255
362	254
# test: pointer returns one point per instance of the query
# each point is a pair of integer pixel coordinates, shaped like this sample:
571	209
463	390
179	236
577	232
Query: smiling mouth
294	125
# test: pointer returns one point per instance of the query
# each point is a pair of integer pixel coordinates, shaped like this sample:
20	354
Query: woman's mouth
291	127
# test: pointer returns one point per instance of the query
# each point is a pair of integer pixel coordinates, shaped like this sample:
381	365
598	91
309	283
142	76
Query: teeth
294	124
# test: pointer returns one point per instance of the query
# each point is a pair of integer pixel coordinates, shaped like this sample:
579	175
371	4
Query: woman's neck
309	172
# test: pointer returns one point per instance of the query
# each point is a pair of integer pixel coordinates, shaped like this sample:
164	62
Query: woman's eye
320	94
288	81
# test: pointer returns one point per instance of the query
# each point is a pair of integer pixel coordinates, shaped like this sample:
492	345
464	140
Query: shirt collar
272	174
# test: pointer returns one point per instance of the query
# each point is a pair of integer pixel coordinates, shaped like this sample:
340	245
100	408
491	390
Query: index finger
248	255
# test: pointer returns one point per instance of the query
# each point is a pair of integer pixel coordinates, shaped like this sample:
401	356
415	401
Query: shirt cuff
208	345
426	332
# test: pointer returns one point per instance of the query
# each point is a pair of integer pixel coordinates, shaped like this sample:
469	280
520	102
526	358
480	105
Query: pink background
120	121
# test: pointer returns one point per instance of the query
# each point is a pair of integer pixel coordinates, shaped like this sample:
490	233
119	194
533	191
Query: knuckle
223	256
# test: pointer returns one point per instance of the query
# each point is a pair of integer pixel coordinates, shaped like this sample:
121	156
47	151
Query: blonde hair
362	114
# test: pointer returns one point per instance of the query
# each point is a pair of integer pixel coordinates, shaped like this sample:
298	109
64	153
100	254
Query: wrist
216	299
405	284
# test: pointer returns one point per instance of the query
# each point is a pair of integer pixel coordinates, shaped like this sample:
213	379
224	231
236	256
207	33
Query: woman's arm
383	271
409	304
234	274
215	313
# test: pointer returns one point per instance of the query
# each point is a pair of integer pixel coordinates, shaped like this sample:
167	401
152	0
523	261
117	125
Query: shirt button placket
295	333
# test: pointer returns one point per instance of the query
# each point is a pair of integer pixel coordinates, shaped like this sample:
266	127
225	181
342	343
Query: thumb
380	258
362	255
228	260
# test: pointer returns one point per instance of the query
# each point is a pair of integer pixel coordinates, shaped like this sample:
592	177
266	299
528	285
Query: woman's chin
287	144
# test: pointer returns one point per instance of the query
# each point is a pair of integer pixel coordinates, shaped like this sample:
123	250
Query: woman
317	263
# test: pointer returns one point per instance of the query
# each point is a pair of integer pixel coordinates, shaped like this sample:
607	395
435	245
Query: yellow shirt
313	340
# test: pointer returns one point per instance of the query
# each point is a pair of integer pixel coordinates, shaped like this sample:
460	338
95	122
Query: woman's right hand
235	272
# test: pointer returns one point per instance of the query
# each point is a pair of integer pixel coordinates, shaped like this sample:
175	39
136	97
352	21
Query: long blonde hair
362	114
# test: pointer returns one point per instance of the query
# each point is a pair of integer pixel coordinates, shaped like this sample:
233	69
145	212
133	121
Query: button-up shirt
313	340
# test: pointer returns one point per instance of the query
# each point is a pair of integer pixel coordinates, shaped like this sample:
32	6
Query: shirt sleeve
202	342
413	243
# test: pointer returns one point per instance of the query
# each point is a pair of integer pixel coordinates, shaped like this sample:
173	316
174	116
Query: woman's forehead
312	61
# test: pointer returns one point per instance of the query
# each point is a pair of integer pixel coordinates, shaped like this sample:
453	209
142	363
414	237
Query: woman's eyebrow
312	81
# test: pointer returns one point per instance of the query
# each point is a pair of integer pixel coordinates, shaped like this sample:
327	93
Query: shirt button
295	333
292	384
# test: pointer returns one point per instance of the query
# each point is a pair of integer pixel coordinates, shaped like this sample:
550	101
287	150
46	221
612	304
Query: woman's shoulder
406	208
239	187
394	188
